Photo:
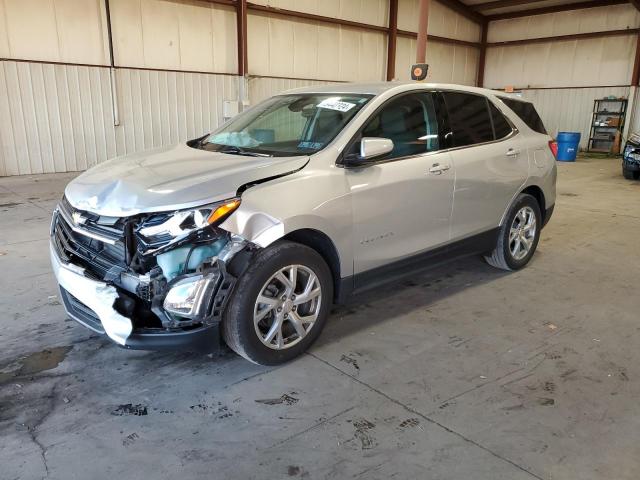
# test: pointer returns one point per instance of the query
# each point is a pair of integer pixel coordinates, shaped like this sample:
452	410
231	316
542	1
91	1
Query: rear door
491	164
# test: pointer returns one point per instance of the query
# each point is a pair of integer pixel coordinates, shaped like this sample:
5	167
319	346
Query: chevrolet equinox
249	234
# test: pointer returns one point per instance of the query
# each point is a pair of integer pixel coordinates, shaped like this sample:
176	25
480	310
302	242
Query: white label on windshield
334	104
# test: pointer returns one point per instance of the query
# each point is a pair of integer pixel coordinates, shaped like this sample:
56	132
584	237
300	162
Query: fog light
187	297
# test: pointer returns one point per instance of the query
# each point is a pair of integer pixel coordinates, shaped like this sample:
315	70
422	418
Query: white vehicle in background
250	233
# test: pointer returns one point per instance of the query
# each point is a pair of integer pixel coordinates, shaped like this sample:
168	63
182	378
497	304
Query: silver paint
98	296
426	200
169	178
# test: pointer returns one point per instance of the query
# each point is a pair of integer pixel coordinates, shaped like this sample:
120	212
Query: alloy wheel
287	307
522	233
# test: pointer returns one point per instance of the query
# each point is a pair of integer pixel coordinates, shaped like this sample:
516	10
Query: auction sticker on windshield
335	104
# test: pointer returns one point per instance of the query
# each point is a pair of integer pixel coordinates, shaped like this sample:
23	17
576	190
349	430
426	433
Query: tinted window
468	118
527	113
500	125
410	122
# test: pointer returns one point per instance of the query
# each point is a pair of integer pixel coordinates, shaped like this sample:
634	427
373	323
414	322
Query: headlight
159	228
186	298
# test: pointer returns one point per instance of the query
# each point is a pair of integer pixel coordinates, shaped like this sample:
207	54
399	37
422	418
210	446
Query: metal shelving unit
608	118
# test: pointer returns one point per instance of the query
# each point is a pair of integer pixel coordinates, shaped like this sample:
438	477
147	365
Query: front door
402	202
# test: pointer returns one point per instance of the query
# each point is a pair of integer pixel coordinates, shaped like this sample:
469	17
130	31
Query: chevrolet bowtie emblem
78	219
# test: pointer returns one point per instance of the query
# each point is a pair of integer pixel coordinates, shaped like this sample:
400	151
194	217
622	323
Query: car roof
382	87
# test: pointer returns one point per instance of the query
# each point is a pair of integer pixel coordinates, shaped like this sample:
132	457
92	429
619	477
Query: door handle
513	153
437	169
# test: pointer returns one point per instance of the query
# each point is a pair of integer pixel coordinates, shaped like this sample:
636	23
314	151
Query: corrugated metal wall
306	49
443	21
575	63
262	88
590	62
546	69
70	31
613	17
634	118
373	12
59	118
56	118
570	109
447	63
174	35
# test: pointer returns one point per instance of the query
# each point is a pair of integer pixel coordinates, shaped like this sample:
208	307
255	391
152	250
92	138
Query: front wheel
630	175
280	304
519	235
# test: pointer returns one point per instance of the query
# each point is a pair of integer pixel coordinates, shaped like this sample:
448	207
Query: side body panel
487	178
399	209
543	171
349	207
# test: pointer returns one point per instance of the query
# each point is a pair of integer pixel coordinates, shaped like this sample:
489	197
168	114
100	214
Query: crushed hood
170	178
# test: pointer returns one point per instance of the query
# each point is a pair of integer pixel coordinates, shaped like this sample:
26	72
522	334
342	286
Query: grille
96	256
80	312
107	227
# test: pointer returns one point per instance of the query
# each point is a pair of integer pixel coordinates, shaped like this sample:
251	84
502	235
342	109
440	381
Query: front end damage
143	284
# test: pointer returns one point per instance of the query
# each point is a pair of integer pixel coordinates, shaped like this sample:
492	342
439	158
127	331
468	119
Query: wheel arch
324	246
537	193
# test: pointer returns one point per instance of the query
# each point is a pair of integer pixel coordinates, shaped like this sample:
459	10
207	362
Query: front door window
410	122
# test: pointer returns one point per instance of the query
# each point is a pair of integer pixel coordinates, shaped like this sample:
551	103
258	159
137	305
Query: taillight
553	146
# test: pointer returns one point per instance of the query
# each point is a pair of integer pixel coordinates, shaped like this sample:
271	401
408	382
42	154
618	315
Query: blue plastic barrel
568	143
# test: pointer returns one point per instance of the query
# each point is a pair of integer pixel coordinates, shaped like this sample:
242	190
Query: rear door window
527	113
469	118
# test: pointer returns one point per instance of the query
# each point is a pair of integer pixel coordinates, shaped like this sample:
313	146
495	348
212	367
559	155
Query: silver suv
249	234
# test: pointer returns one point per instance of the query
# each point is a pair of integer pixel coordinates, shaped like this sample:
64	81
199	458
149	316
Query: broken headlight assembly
186	297
160	229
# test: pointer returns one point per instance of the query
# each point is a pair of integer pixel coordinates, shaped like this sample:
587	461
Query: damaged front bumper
147	311
91	303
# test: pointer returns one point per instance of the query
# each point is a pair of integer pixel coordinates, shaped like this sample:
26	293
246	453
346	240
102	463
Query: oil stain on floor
32	364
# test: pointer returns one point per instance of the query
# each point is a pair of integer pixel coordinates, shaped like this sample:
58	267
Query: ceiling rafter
564	38
481	7
464	10
557	8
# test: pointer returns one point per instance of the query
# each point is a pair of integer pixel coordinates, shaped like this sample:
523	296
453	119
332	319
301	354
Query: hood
170	178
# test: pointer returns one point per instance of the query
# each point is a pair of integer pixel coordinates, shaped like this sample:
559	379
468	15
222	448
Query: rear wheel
519	235
280	304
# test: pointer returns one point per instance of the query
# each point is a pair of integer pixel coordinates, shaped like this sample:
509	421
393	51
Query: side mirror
372	147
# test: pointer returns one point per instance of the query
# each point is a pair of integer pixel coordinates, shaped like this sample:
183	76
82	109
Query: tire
630	175
240	332
503	256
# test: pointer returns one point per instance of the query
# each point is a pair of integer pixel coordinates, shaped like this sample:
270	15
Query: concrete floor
462	373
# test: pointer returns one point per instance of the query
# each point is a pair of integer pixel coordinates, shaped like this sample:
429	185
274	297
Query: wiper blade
241	151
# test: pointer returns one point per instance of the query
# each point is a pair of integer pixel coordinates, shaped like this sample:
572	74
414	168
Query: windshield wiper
240	151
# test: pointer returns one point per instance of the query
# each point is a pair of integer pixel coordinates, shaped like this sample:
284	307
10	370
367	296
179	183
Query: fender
313	196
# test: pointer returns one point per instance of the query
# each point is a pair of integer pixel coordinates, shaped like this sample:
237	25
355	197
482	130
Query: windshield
287	125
